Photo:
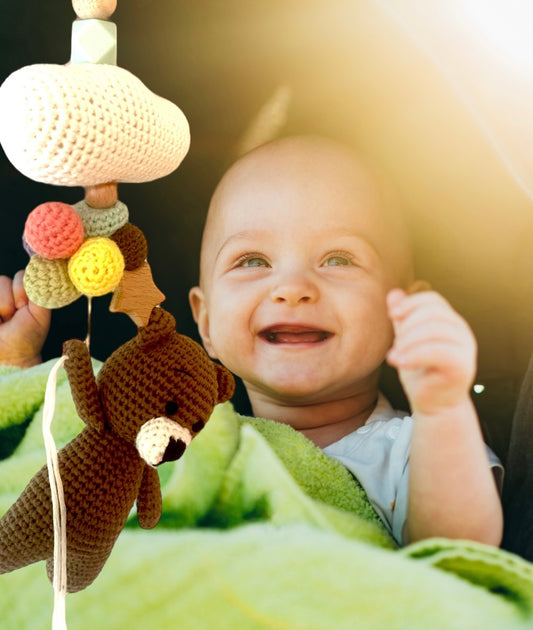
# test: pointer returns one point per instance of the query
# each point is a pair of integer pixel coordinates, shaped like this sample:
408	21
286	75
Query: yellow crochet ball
97	267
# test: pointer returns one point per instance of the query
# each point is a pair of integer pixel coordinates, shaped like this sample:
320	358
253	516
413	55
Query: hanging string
59	508
89	313
58	503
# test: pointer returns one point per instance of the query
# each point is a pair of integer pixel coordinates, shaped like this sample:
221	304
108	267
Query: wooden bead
94	9
136	295
101	195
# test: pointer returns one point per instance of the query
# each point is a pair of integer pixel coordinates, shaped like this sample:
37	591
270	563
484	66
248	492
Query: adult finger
19	293
7	301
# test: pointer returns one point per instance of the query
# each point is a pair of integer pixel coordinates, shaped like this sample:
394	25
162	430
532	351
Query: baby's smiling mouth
294	334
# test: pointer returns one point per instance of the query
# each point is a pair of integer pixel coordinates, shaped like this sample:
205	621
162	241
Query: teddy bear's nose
162	440
174	450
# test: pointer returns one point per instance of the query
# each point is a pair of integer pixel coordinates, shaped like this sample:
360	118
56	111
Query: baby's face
294	285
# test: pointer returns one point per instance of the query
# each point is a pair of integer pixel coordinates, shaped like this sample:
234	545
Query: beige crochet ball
94	9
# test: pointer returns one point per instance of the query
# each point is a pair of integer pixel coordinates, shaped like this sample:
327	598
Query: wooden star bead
136	295
94	9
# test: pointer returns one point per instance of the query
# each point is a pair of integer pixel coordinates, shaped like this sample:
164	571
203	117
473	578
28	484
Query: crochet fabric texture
97	9
54	230
102	222
159	374
97	267
48	284
84	124
132	244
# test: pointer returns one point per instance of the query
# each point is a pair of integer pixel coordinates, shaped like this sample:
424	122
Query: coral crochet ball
54	230
97	267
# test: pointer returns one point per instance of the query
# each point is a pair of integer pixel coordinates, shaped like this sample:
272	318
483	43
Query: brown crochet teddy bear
151	397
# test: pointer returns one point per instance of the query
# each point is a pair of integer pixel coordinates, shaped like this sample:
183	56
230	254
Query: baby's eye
335	260
252	260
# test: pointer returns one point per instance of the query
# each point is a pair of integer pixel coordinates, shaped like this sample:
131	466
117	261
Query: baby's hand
23	324
434	350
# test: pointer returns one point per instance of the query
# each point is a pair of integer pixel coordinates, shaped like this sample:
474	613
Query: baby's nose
294	288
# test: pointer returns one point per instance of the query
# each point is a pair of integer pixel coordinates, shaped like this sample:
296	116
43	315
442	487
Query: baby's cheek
223	341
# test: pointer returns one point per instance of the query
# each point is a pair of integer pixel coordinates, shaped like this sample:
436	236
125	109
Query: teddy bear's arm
149	499
82	383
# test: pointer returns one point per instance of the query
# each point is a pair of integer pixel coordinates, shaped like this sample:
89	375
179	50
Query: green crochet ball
47	283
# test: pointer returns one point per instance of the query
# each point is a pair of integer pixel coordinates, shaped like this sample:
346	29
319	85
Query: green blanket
259	530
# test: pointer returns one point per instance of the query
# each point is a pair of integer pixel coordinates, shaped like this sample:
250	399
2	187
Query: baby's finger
401	308
431	333
440	356
7	301
40	314
432	321
394	297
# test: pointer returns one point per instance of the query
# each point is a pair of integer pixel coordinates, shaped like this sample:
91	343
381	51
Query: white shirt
378	455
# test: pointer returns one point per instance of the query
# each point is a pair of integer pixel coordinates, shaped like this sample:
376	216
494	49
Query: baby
304	277
304	269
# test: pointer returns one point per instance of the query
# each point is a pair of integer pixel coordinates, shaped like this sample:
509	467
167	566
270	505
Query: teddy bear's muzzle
162	440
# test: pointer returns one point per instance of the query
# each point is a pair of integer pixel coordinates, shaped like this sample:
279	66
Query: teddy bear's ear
83	384
160	326
226	383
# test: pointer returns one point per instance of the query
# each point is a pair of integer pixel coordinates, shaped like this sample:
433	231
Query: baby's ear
201	317
226	383
83	384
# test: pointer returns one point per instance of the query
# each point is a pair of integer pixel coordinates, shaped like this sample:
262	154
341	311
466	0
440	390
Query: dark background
353	75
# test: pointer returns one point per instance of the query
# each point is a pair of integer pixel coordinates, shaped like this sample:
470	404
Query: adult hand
23	324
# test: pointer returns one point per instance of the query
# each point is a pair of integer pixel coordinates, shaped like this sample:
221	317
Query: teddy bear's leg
149	499
26	529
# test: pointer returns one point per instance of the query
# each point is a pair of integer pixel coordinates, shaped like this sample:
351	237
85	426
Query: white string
89	313
58	503
59	509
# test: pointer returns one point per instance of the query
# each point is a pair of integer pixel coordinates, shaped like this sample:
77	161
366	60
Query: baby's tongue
307	336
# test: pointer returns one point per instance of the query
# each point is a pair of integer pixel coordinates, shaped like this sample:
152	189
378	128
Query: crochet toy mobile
151	397
92	124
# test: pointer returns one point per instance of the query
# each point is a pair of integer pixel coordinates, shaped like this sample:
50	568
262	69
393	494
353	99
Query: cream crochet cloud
84	124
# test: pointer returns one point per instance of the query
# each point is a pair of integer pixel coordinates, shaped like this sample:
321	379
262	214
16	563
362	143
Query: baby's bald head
301	170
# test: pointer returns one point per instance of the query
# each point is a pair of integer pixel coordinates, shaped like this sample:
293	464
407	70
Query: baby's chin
292	389
299	393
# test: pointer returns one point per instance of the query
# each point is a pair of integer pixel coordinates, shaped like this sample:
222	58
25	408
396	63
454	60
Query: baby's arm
23	324
452	491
